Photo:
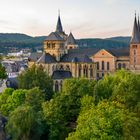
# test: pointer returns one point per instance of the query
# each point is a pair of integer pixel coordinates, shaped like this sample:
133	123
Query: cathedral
62	58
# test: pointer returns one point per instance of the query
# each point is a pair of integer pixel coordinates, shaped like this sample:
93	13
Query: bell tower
54	44
135	46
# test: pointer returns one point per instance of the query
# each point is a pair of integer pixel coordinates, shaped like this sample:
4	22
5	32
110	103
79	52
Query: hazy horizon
75	38
85	18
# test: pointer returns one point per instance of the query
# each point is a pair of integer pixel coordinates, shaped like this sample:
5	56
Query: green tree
123	86
106	121
3	100
61	112
34	98
55	118
20	123
5	94
3	74
12	101
127	90
25	118
36	77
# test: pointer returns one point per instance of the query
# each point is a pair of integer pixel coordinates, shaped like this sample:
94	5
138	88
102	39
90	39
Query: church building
62	58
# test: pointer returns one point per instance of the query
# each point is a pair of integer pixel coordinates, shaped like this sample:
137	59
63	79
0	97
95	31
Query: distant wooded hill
16	40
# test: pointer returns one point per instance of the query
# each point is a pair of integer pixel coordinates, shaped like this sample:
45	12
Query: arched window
48	45
98	66
61	67
53	45
119	65
56	86
124	65
85	71
108	66
103	63
67	67
102	74
91	71
79	70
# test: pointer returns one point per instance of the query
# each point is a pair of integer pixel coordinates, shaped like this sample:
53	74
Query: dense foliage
106	121
105	110
3	74
36	77
115	112
62	111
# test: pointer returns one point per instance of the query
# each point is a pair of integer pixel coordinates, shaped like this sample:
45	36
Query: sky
84	18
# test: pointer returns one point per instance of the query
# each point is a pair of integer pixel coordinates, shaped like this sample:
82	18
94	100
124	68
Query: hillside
115	42
120	39
8	41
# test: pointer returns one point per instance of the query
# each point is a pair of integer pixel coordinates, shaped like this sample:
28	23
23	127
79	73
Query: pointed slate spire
71	40
138	24
59	27
135	35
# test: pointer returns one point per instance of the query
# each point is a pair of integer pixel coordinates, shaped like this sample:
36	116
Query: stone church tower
135	46
55	42
58	43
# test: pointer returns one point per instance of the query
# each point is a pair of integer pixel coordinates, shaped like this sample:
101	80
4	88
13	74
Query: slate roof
59	27
70	40
54	36
34	56
61	74
75	60
138	25
12	83
79	54
136	34
83	54
86	59
119	52
46	58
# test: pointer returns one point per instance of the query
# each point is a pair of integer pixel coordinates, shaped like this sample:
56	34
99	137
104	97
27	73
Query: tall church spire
135	35
138	24
59	27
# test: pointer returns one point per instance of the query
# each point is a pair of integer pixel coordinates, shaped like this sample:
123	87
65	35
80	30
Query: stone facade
63	59
57	61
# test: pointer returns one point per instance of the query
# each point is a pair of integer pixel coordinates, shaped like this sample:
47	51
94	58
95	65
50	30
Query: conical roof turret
135	35
138	25
71	40
59	27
